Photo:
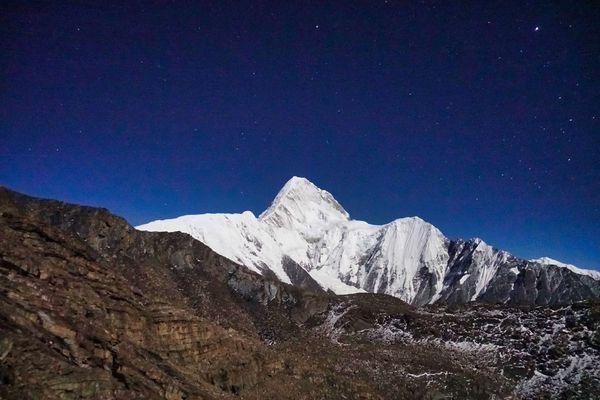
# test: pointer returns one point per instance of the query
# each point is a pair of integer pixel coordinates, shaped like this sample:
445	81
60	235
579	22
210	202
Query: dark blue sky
480	117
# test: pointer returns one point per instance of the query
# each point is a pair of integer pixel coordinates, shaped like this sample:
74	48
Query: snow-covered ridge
408	258
549	261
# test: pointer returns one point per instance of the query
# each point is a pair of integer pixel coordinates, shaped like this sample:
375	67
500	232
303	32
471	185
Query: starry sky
480	117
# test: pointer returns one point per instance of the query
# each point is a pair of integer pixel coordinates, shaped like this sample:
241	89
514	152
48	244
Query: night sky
482	118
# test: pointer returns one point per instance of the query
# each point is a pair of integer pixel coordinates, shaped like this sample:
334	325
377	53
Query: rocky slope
407	258
92	308
550	352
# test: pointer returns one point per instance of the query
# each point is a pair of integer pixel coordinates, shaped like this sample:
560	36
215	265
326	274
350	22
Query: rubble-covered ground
544	352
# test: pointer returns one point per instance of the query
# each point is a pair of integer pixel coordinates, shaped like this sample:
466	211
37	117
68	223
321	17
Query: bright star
536	29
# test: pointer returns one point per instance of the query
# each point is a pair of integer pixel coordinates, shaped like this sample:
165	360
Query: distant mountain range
307	238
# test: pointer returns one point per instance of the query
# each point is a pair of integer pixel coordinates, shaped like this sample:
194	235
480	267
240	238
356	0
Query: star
536	29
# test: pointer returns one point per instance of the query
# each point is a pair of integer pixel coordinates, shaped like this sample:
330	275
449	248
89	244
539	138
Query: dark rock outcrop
299	277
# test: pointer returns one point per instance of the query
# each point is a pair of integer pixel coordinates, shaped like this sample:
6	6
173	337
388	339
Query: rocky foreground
92	308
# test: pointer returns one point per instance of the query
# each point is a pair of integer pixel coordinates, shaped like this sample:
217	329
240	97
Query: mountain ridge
408	257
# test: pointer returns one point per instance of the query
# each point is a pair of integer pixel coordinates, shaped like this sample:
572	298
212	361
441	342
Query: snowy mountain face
307	238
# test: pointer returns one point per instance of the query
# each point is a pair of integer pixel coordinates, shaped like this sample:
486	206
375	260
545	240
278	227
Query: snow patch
327	281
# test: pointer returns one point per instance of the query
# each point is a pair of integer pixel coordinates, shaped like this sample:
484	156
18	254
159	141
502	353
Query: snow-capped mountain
307	238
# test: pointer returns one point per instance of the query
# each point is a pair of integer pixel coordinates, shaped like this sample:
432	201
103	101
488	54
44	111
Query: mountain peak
301	203
298	184
298	180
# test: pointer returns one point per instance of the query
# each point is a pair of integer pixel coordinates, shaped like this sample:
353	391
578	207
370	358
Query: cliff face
92	308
